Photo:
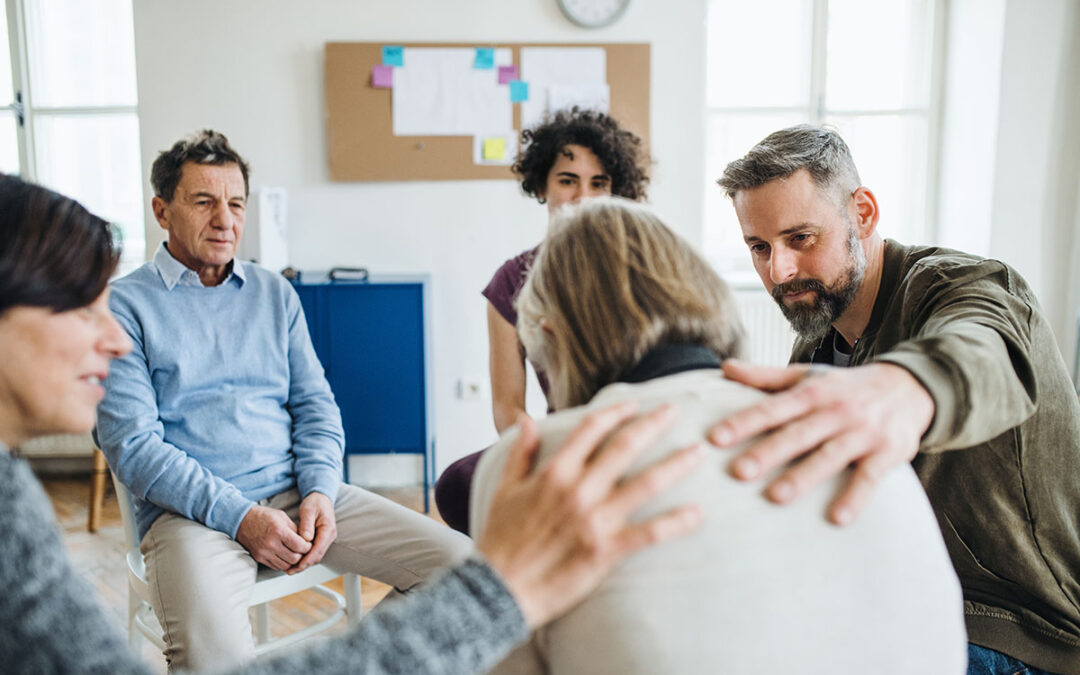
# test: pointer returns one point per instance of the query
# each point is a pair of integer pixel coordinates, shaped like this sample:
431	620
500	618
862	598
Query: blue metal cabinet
372	339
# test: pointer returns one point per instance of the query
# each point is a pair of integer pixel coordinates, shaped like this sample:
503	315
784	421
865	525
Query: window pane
81	53
758	53
9	143
890	153
7	92
95	159
729	137
872	69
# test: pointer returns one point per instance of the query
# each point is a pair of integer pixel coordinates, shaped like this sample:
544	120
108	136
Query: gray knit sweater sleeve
51	622
463	622
50	618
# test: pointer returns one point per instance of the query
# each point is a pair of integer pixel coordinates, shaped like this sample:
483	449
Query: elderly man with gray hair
222	425
938	358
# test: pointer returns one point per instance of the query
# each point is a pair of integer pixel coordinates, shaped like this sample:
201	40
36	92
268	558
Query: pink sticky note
382	77
507	73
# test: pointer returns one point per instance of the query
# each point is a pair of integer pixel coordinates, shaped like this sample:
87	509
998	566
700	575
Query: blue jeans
983	661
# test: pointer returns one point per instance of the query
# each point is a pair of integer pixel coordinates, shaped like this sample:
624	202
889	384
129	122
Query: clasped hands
274	540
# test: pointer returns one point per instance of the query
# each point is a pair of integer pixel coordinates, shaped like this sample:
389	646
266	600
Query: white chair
269	585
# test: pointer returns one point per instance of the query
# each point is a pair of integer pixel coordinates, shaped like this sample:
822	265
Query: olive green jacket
1001	459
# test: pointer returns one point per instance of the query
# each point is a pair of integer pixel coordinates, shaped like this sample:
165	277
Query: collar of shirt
174	273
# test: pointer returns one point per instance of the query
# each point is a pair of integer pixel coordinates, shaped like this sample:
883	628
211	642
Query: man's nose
781	266
223	216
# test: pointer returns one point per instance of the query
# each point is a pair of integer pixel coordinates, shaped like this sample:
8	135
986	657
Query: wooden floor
100	557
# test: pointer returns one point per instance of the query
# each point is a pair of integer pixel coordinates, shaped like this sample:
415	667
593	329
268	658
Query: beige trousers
201	579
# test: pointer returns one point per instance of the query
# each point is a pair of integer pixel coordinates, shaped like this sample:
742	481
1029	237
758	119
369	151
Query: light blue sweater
222	401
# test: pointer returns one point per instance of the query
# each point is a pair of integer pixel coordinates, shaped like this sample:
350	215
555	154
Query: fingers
674	523
787	443
293	542
829	459
588	435
641	488
324	536
308	514
765	378
765	415
522	455
864	480
613	459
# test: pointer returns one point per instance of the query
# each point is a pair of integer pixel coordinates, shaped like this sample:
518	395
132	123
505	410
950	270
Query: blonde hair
610	284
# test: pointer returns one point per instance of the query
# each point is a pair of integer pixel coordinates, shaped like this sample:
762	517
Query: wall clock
593	13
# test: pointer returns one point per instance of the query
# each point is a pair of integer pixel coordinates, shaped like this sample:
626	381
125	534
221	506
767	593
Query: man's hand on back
271	537
318	526
870	417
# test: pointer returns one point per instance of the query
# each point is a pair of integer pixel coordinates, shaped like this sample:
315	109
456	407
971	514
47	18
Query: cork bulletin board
361	145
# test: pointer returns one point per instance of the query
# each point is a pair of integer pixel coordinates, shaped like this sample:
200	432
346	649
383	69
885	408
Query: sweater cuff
936	381
228	512
326	482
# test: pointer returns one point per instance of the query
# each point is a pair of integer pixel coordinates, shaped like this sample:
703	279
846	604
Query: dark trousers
452	491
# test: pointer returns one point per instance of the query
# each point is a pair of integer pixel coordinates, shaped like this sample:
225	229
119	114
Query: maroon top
503	290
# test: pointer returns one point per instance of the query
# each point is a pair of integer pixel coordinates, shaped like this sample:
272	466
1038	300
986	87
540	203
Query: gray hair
203	147
818	149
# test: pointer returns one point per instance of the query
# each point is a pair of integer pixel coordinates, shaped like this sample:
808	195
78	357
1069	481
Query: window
871	69
72	125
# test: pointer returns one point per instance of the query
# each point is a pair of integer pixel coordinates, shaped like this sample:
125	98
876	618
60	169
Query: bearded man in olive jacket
953	367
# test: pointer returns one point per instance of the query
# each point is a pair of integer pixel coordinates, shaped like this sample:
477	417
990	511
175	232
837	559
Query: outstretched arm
963	377
871	417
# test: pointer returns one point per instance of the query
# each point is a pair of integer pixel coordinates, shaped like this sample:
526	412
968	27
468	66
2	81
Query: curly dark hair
618	150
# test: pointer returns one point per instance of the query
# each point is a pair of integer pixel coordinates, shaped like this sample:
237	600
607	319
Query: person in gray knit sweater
554	534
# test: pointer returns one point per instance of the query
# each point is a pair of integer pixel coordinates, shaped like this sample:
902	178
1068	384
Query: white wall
1038	155
253	70
1011	145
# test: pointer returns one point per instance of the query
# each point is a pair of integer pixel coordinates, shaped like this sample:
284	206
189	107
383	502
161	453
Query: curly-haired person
573	155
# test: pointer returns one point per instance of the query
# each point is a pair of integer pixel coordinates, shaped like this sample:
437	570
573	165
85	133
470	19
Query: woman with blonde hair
618	308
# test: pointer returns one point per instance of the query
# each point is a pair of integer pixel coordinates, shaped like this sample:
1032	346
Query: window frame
26	112
816	113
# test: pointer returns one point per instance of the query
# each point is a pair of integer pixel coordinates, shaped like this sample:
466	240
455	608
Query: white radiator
768	335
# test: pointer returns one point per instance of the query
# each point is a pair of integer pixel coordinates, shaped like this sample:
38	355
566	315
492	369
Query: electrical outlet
470	388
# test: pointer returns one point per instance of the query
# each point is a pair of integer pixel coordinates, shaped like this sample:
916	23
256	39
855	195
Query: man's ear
160	209
866	214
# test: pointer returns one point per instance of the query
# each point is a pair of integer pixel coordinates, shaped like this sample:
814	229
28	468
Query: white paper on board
438	92
584	96
562	67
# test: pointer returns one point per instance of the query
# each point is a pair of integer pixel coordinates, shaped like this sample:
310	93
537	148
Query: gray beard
813	320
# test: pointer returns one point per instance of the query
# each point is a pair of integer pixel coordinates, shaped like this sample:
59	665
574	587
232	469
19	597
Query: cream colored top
759	588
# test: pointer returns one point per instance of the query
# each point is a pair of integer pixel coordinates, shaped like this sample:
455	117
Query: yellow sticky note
494	148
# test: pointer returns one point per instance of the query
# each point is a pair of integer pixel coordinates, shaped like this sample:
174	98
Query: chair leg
353	599
97	490
262	623
134	605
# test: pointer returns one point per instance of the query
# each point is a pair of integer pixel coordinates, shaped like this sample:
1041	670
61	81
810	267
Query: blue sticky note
519	91
485	58
393	55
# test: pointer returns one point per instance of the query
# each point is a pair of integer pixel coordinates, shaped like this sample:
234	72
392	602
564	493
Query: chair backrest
127	517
